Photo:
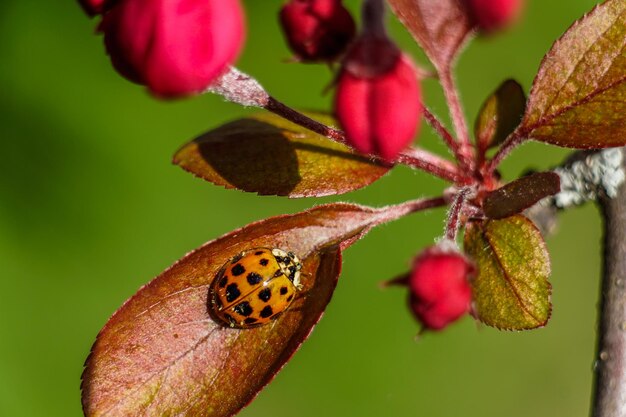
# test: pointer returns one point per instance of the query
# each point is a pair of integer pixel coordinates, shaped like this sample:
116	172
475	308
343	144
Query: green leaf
500	115
161	354
518	195
440	27
269	155
578	98
511	290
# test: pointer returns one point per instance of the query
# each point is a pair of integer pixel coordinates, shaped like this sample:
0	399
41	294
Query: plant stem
609	392
397	211
456	112
513	141
300	119
441	130
433	164
415	158
454	215
373	17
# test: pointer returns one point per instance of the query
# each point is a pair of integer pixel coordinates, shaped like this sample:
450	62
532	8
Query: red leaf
162	354
439	26
518	195
578	99
269	155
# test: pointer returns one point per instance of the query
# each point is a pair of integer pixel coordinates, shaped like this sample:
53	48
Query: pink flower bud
492	15
317	30
378	99
174	47
439	286
95	7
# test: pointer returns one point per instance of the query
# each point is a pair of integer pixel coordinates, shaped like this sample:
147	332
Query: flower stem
415	158
513	141
458	117
391	213
447	137
454	215
433	164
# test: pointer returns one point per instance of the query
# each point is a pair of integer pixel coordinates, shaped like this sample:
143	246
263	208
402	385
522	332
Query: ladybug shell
254	287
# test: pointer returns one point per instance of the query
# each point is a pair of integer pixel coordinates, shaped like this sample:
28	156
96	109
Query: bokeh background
91	209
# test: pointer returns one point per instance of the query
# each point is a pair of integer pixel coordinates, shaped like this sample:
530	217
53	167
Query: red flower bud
492	15
439	285
378	99
174	47
317	30
95	7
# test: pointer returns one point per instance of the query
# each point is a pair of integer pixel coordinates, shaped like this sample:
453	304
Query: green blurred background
91	209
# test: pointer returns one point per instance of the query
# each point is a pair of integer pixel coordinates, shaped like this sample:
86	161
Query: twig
609	393
513	141
454	215
395	212
413	157
450	91
447	137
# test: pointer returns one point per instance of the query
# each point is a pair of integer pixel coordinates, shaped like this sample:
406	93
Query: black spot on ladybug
264	262
223	282
265	294
229	318
266	312
259	253
243	308
292	272
232	292
278	273
290	298
250	320
291	255
238	270
279	259
254	278
283	290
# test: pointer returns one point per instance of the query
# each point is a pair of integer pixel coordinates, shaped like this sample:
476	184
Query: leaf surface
501	113
518	195
578	98
511	290
440	27
161	354
269	155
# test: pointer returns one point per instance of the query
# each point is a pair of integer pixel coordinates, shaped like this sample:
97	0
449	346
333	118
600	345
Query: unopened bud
440	292
317	30
174	47
378	100
493	15
96	7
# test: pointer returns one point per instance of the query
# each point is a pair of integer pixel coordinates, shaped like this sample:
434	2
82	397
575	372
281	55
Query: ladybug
254	287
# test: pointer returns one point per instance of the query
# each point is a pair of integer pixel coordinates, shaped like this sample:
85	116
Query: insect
254	287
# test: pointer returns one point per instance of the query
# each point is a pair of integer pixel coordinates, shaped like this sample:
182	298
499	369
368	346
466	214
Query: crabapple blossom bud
317	30
95	7
174	47
440	292
378	100
492	15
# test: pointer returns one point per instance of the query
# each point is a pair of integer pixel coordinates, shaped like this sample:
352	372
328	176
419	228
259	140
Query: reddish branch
416	158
